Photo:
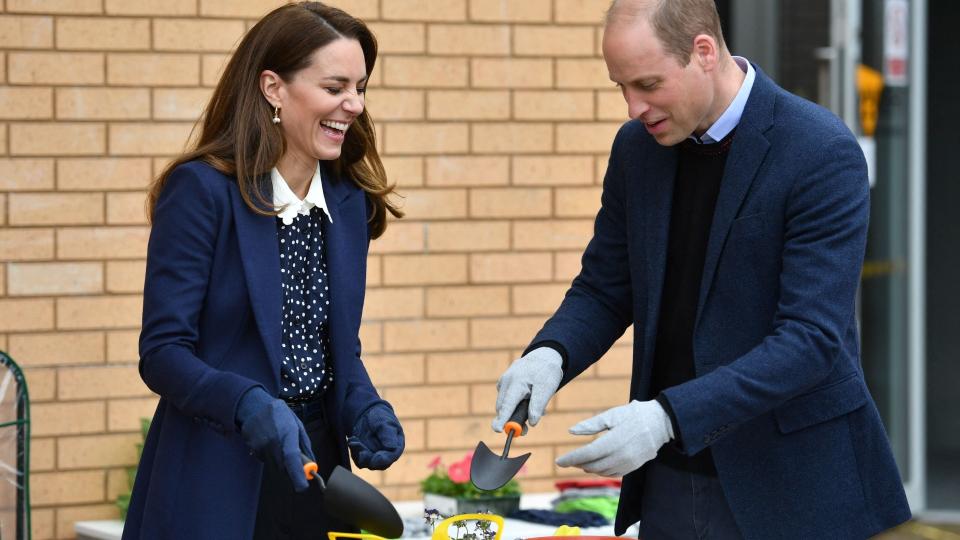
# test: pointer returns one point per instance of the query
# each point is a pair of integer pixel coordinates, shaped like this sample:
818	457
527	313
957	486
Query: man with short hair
731	235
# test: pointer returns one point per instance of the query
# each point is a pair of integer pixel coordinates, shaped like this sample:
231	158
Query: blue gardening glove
377	439
536	375
635	433
274	434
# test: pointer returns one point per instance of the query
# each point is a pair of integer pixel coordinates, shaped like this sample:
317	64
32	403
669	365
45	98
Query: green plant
123	499
454	481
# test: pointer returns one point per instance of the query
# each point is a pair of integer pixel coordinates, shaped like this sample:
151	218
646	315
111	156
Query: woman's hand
377	439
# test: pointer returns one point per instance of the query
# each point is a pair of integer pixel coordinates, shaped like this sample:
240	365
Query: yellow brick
583	73
553	40
617	362
196	34
385	104
462	432
611	106
97	174
3	67
3	221
97	451
566	234
101	33
151	7
468	236
42	382
577	201
394	369
26	244
402	237
552	170
59	349
512	138
42	523
511	72
179	103
581	11
430	401
467	301
125	276
419	138
466	366
504	331
415	435
122	346
18	103
125	414
94	382
60	488
68	516
26	315
537	299
553	105
426	10
510	202
143	139
26	174
400	38
414	467
510	268
54	6
468	105
424	269
374	273
586	137
253	9
62	138
404	171
363	9
126	208
55	278
56	208
425	335
103	103
42	453
67	418
153	69
423	72
567	265
213	65
467	171
3	139
393	303
435	203
99	312
26	32
510	10
459	39
55	68
594	394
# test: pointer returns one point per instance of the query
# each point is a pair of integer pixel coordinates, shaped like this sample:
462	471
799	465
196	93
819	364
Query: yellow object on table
566	530
442	531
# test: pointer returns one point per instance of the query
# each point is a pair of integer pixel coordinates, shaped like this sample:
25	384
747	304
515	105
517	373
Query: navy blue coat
779	394
211	331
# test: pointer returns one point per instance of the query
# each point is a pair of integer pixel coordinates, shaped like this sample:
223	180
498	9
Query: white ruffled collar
290	205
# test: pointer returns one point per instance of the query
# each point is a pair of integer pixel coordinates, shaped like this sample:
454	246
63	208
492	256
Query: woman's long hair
236	134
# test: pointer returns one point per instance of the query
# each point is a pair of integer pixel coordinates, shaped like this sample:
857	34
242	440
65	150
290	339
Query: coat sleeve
597	308
826	217
179	260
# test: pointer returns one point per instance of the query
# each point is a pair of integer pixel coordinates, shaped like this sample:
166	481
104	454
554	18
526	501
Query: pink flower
434	463
459	472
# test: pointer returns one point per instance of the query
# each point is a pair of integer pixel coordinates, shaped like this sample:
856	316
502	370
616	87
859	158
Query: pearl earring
276	115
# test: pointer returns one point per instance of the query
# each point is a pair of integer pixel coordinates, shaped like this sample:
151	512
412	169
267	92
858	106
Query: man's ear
271	85
705	52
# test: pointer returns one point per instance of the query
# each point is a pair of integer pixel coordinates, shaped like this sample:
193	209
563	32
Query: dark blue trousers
282	513
681	505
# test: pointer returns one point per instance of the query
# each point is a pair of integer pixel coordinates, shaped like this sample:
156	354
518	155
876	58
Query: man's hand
536	375
274	434
377	439
637	430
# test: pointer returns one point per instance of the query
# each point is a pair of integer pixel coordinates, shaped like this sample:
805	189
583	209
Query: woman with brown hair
254	291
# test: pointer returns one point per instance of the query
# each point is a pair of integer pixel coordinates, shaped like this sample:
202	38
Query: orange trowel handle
516	426
311	470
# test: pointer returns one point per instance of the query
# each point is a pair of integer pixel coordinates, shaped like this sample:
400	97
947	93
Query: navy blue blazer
779	393
211	331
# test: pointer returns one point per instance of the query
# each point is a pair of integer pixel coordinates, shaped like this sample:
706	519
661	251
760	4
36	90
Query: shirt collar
290	205
731	117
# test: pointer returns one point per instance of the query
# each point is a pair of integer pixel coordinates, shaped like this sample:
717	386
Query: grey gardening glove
536	375
636	431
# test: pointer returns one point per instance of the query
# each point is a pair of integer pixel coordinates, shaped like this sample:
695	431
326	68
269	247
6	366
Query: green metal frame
23	458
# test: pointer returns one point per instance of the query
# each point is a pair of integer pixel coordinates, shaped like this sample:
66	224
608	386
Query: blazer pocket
747	226
836	399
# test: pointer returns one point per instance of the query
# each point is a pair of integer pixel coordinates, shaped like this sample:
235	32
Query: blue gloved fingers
292	462
305	445
378	438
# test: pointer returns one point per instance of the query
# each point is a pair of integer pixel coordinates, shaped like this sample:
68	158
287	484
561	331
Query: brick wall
495	118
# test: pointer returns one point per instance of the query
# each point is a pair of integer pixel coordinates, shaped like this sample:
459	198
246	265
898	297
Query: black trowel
488	471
